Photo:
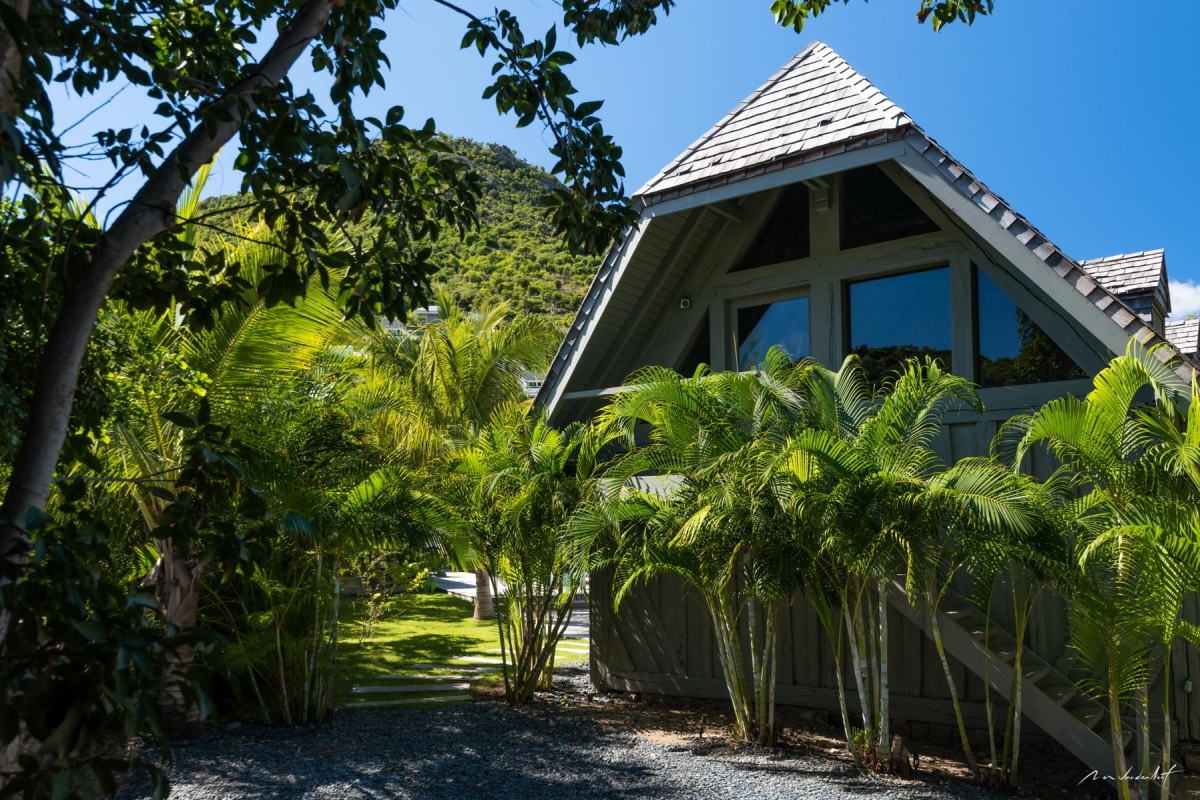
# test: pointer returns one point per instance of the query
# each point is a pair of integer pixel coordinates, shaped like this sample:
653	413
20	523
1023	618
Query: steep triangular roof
814	101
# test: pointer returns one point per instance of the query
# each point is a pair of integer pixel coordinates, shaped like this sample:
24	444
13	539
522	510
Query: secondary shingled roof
1131	272
1185	335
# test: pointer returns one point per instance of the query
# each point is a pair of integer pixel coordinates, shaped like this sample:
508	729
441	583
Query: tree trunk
767	680
310	667
1017	702
10	69
1141	710
833	632
729	651
988	703
853	631
841	690
149	213
484	606
1165	765
962	727
333	639
885	712
1114	720
180	597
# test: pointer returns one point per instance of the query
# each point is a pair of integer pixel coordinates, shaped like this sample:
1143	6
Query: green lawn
430	629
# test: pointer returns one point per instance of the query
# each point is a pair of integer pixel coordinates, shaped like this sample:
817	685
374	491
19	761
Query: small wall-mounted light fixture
1187	685
685	302
822	193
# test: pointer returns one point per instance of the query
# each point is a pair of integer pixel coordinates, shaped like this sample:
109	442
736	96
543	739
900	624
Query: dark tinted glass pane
699	353
784	237
900	317
874	209
784	323
1013	350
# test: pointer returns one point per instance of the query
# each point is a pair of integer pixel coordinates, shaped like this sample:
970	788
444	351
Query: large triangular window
874	210
784	237
1013	350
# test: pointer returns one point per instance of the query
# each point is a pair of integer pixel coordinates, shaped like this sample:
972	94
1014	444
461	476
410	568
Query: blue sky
1083	115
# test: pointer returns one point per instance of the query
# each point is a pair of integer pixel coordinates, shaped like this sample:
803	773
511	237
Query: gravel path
485	750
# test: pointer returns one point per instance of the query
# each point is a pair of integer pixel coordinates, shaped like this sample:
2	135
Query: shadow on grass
440	608
431	629
436	648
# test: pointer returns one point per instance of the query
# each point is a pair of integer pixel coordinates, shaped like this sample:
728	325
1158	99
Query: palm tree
719	524
438	384
509	492
868	478
1132	528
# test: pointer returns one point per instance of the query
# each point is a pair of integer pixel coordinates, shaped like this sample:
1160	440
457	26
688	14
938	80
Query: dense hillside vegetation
514	255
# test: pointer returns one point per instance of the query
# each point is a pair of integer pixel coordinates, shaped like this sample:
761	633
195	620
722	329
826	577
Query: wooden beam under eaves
665	267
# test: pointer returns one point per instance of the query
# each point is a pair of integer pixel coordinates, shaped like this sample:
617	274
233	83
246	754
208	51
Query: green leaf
181	419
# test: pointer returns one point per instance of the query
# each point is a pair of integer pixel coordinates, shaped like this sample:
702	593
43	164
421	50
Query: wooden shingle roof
1132	273
814	101
1185	335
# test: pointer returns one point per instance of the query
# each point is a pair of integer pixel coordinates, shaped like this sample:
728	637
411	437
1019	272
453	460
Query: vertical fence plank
785	673
913	662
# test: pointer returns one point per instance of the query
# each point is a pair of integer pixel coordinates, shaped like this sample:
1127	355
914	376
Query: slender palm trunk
262	701
853	633
721	633
833	633
764	686
885	724
773	671
1141	710
968	753
1017	697
841	689
729	648
1005	771
1115	736
336	570
1165	765
484	607
756	648
1023	604
310	668
988	703
507	648
287	706
870	634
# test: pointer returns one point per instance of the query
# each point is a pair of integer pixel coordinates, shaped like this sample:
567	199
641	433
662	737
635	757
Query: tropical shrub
1130	450
434	388
509	494
710	516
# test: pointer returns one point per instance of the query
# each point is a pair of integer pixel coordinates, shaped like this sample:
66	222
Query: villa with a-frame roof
820	217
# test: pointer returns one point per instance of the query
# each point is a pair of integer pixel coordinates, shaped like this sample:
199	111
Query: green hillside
514	255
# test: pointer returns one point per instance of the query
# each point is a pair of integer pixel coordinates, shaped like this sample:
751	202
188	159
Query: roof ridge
731	115
1116	256
883	104
776	121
